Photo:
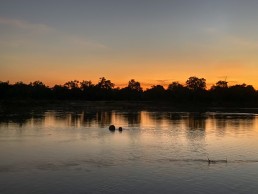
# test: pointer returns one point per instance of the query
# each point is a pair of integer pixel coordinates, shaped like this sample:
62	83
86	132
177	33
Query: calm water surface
60	151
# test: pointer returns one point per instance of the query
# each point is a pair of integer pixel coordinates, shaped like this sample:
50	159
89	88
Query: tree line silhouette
194	90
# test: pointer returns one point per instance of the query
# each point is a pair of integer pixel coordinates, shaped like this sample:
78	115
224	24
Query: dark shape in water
211	161
112	128
215	161
120	129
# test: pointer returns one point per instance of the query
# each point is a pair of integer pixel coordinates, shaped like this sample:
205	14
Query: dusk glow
128	96
154	42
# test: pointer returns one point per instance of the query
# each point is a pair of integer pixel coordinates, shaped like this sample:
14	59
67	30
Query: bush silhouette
194	91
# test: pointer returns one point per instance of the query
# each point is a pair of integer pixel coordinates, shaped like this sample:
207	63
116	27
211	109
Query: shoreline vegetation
192	96
126	105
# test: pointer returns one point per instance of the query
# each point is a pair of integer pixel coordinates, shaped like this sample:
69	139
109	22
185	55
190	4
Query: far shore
127	106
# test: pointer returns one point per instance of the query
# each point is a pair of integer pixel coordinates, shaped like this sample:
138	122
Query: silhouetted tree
175	86
177	92
84	85
132	92
74	89
156	92
60	92
88	90
134	86
72	84
222	84
194	91
20	90
195	83
196	87
38	90
104	89
4	89
219	92
241	93
105	84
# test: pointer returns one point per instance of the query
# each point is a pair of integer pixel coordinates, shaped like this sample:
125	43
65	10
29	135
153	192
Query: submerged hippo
112	128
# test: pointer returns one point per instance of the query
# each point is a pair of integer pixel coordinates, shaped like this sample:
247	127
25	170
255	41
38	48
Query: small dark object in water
120	129
211	161
112	128
216	161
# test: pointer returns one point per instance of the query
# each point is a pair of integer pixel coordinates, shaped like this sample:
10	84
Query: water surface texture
61	151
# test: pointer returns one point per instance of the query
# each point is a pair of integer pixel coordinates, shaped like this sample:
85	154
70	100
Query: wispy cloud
31	34
163	81
62	40
22	24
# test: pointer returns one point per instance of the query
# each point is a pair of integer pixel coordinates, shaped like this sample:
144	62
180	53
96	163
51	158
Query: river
73	151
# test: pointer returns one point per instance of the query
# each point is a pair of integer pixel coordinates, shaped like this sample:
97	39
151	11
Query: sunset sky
154	42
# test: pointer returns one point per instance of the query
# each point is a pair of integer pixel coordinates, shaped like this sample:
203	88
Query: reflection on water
192	122
60	151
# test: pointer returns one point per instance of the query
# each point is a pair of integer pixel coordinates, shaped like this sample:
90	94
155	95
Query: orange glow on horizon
150	71
144	84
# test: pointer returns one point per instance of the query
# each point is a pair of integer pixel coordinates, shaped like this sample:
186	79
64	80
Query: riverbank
128	106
